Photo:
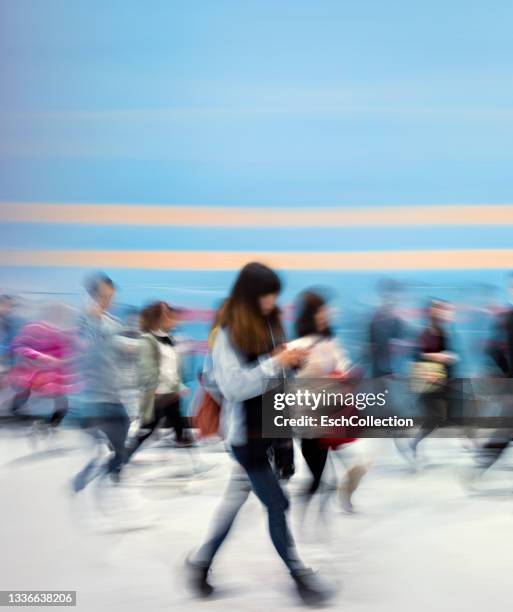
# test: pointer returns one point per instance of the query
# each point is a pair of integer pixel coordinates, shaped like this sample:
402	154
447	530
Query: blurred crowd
121	379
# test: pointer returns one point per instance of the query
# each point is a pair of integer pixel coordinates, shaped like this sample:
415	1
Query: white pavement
420	541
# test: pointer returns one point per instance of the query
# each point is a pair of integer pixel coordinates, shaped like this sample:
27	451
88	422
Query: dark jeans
167	411
112	421
500	439
262	480
491	451
59	412
435	407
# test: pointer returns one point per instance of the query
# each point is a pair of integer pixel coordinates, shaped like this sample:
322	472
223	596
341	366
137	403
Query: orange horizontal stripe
227	260
117	214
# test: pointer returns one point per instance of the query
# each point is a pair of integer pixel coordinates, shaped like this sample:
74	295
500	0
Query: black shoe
185	443
197	579
310	589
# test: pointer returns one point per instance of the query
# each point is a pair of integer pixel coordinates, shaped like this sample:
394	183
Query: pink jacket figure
45	360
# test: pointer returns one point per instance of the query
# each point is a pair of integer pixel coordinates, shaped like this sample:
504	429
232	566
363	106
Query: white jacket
326	355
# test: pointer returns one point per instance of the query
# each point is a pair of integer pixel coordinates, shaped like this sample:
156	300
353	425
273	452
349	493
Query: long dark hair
251	332
309	304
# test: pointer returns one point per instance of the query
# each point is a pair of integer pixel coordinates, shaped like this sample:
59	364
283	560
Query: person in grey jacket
103	411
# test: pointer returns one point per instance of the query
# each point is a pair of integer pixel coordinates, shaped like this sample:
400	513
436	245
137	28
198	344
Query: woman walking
159	376
434	370
246	356
326	359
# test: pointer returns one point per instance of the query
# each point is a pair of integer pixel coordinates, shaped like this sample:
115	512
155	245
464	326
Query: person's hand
450	357
291	358
445	358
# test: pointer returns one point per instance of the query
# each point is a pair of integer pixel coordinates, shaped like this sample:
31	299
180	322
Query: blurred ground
419	540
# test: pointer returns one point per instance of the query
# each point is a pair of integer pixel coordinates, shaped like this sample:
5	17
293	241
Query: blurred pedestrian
160	382
8	330
247	354
386	327
500	351
102	344
45	353
434	370
326	359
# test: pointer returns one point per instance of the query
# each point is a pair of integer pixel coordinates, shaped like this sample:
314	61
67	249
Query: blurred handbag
208	416
427	376
349	380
